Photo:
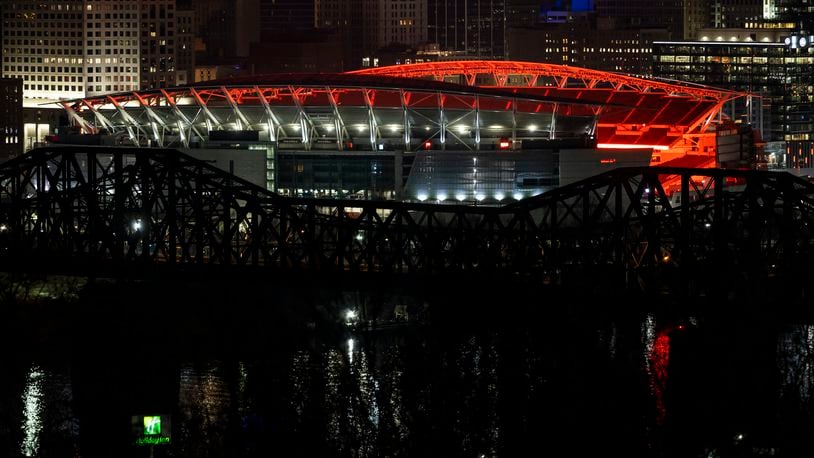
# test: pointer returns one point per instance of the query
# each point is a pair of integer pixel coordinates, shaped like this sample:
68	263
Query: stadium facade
468	131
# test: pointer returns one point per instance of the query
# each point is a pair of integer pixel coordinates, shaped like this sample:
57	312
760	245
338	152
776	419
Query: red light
504	144
607	161
427	144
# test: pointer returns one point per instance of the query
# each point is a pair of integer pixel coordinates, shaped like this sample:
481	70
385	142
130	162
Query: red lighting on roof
631	146
504	68
630	113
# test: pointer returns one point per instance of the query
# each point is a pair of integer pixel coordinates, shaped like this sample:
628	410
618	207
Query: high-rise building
281	16
185	46
225	29
214	30
81	48
583	40
77	48
524	13
736	13
366	26
800	12
771	63
643	14
696	17
158	35
398	21
11	118
772	14
469	28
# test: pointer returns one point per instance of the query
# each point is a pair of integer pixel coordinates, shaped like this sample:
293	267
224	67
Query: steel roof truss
210	117
102	119
182	120
274	124
373	126
405	119
339	123
242	122
306	125
83	124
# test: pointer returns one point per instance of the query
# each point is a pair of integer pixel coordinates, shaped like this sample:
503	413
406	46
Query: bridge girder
101	206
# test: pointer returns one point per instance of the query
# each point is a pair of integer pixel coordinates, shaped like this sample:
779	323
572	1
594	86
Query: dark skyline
278	17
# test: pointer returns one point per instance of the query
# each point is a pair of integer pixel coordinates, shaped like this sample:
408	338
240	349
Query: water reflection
47	424
656	358
632	385
205	404
796	364
32	402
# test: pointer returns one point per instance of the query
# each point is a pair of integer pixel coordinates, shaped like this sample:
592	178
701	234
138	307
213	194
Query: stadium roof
464	101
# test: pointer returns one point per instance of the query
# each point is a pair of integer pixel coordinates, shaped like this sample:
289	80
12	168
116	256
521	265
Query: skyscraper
11	118
641	14
801	12
281	16
225	29
366	26
81	48
158	44
735	13
472	28
77	48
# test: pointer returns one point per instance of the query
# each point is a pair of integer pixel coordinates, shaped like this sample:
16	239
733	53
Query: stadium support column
398	157
398	169
514	122
373	126
339	124
442	123
405	121
79	120
303	118
155	118
477	123
102	119
212	121
240	119
271	120
130	121
183	120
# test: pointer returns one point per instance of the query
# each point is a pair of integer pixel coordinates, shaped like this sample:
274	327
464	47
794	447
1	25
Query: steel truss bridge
160	209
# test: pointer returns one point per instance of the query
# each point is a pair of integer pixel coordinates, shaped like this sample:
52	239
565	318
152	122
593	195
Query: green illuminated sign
152	440
152	426
151	429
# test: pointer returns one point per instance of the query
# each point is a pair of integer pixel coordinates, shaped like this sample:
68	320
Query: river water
556	382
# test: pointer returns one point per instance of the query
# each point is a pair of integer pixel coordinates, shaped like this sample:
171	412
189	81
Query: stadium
458	131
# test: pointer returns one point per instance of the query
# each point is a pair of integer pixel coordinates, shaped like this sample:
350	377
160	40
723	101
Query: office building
469	28
11	118
776	66
77	48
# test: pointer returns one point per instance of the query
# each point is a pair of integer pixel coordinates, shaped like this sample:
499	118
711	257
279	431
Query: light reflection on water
796	364
204	401
32	401
410	394
47	421
656	360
